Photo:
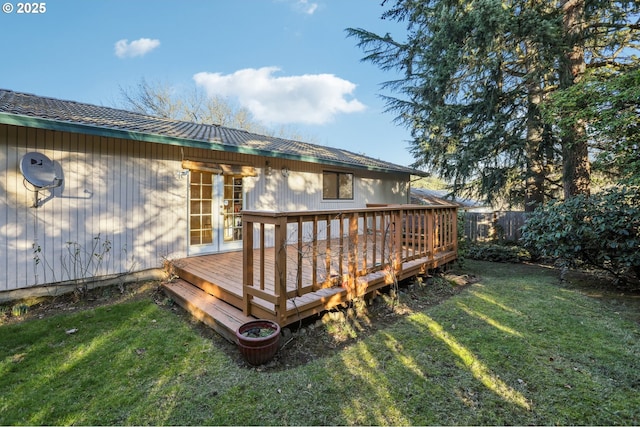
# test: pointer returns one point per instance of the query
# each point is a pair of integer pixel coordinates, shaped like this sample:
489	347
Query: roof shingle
54	113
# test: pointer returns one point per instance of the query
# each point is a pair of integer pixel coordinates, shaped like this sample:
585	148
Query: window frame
337	175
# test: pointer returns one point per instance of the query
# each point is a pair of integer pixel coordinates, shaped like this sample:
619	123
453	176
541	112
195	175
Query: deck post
396	256
262	256
341	246
299	258
430	235
454	238
352	254
247	268
437	230
280	272
327	256
314	255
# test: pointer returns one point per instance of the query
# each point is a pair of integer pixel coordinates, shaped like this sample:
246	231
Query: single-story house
92	191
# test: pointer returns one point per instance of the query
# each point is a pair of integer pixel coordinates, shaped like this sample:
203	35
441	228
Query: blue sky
288	61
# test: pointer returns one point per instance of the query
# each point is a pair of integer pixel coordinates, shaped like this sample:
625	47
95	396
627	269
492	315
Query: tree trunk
576	174
534	183
576	166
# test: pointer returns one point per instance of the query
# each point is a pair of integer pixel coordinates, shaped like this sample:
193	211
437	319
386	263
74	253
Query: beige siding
120	208
302	188
129	197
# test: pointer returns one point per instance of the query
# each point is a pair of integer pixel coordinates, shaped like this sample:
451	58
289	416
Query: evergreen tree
607	99
475	75
598	35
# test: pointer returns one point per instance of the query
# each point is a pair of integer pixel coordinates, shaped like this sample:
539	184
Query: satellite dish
39	171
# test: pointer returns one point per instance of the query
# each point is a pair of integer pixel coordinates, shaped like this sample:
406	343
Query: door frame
218	243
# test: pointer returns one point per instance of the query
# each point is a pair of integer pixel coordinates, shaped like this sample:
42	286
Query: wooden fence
493	226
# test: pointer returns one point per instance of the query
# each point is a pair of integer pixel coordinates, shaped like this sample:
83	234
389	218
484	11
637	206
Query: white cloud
305	99
139	47
305	7
302	6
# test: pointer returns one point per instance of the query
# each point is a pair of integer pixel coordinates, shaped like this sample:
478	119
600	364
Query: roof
440	197
29	110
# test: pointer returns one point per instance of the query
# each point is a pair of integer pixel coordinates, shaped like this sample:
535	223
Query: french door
215	212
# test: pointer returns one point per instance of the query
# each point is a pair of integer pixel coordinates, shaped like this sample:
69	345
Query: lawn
513	348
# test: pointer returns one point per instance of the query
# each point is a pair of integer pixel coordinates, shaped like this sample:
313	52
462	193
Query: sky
289	62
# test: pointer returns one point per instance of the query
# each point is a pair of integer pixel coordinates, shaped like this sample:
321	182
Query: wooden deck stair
218	315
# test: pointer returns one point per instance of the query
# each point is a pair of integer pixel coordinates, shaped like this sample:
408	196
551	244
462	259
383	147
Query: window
337	186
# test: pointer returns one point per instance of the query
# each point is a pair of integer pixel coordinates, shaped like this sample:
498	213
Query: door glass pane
195	237
233	204
207	236
195	222
207	192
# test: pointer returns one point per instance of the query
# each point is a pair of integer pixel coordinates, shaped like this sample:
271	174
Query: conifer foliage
476	76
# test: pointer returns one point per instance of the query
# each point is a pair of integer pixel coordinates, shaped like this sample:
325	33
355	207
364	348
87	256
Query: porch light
267	168
285	171
181	174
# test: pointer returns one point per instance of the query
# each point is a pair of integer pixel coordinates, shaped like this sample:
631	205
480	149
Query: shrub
497	252
601	231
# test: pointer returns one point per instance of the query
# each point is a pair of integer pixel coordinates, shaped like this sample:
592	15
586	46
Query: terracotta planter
258	348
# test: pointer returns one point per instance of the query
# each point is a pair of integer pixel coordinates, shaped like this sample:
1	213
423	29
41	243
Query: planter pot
258	341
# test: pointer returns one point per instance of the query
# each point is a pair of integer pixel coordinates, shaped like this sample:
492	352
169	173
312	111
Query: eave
65	126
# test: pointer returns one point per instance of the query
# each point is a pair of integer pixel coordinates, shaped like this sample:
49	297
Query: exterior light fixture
181	174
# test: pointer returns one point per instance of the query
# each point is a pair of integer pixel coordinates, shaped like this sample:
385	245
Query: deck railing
314	250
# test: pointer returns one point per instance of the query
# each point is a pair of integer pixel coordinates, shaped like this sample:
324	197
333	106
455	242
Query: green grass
514	348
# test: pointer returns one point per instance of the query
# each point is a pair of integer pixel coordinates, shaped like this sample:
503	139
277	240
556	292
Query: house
425	196
90	191
248	225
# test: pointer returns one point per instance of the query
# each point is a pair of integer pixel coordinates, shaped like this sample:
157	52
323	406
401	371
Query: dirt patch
329	332
42	307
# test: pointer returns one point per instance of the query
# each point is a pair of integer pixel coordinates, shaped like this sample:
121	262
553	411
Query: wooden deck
307	276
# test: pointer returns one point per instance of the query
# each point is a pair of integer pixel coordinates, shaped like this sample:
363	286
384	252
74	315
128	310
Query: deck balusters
314	251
